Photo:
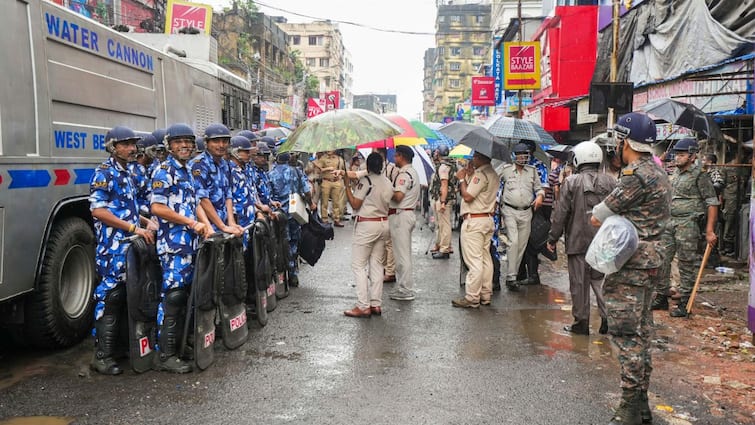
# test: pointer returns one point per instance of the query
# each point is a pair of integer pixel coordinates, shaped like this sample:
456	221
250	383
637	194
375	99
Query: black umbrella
561	152
684	115
477	138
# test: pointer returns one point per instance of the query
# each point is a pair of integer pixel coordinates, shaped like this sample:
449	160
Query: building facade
321	49
462	44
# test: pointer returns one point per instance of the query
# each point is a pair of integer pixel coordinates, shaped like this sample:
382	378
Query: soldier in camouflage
642	196
694	199
443	194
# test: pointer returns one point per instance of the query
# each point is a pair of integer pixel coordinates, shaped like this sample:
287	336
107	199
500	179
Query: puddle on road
38	420
14	375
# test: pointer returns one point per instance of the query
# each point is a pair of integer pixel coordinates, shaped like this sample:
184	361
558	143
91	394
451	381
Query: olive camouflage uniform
693	193
642	196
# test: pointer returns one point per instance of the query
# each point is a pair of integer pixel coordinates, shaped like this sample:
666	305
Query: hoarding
183	14
521	65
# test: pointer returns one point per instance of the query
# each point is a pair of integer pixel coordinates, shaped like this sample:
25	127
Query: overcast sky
384	63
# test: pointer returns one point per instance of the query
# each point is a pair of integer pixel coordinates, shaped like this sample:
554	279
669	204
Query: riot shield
232	291
267	252
280	253
257	270
143	284
203	303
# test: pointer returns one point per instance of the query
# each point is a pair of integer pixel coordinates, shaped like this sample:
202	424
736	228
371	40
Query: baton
699	275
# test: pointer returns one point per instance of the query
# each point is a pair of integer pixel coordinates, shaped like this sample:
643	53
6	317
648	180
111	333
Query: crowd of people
172	188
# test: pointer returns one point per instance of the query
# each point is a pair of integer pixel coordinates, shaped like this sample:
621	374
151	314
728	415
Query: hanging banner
332	100
498	70
483	91
522	65
314	108
183	14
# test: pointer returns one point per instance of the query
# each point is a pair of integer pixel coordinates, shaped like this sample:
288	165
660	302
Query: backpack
453	182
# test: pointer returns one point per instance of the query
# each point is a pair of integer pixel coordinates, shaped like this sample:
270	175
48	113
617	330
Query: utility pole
521	38
611	118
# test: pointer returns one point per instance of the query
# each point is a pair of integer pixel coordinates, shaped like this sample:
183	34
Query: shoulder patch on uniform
360	186
627	172
164	166
475	180
99	185
197	172
401	182
104	166
157	184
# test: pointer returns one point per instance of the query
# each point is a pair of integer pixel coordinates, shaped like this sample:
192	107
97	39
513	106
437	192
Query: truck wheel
59	312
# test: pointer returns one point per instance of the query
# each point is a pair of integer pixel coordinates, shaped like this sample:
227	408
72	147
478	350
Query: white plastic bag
613	245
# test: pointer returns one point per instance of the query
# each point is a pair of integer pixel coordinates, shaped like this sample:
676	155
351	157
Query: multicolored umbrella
408	136
461	151
512	130
337	129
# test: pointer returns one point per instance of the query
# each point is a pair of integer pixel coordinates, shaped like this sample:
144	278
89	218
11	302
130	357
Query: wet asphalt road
422	362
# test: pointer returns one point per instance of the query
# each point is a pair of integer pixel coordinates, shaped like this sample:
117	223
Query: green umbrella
337	129
422	130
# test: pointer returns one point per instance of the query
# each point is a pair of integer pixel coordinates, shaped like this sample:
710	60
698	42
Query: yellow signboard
521	65
185	14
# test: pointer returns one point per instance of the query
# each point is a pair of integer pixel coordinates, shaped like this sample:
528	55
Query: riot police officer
244	193
115	211
181	221
693	200
212	180
642	196
285	179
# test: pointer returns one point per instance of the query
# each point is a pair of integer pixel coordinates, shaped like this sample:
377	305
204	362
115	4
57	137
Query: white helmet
587	153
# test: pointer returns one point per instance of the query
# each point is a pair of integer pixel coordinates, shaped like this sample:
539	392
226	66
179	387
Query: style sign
184	14
483	91
521	65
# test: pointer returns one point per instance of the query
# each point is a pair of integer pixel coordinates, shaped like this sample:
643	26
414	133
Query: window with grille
324	62
455	51
296	40
454	66
454	83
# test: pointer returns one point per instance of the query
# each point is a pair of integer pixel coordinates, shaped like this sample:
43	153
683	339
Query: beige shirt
443	171
375	191
327	161
520	187
407	181
482	185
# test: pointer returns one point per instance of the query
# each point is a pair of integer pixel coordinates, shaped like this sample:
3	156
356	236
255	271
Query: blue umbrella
442	139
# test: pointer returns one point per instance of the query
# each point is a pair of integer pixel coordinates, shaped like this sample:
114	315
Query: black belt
517	208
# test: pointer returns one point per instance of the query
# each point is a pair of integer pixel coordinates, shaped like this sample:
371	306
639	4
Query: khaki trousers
330	191
402	224
518	226
367	252
390	261
443	229
475	248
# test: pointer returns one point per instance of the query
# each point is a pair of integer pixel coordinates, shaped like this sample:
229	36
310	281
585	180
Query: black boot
680	310
645	414
168	359
603	326
106	333
579	327
628	412
106	328
660	302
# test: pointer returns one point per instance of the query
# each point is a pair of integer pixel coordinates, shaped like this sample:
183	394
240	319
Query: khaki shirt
327	161
483	186
520	187
375	191
407	181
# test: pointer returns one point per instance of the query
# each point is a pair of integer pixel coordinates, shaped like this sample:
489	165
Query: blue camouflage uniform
173	185
262	183
285	180
244	195
141	180
212	180
112	187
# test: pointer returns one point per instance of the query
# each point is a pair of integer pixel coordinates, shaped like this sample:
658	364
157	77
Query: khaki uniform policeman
331	186
478	192
401	218
371	198
522	192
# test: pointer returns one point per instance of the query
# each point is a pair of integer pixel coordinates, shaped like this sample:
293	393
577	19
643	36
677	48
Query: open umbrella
512	130
460	151
275	132
422	130
684	115
409	135
477	138
337	129
561	152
